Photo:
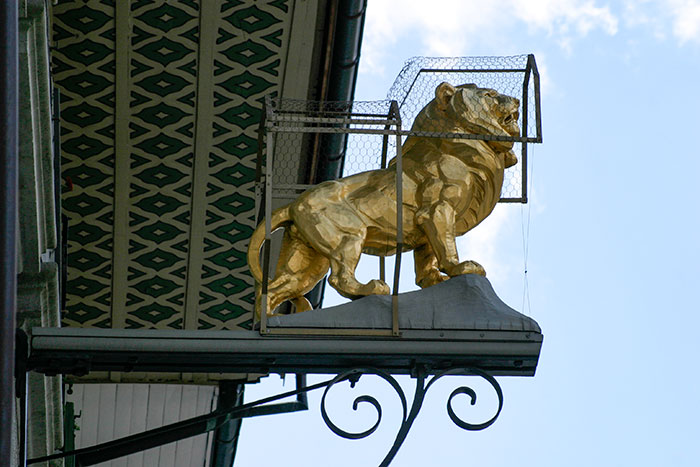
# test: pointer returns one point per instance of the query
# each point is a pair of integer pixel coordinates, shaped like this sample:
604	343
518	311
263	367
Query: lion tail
279	217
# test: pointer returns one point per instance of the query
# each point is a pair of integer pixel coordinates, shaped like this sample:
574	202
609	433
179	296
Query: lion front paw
466	267
430	279
375	287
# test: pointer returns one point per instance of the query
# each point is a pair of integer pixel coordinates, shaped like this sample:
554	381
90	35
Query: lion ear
443	93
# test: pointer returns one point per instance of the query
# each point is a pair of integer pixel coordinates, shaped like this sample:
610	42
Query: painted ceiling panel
83	66
160	106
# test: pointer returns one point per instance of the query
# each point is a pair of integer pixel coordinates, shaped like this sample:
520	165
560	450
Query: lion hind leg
343	263
299	269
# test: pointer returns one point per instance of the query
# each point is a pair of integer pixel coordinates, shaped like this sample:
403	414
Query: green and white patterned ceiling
160	102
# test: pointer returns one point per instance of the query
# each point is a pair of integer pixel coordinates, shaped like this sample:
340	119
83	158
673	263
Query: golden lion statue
449	187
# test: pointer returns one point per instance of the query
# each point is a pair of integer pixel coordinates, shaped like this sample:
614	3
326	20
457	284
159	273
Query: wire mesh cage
415	86
488	105
363	121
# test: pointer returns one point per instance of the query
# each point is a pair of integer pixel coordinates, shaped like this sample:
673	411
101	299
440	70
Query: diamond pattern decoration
83	286
162	84
85	175
159	204
234	203
243	116
84	19
155	287
160	175
241	145
154	313
161	115
88	52
83	313
86	260
233	259
162	145
85	204
165	17
246	84
84	233
163	72
248	53
237	175
85	147
234	232
159	232
86	84
251	19
224	312
165	51
84	115
157	259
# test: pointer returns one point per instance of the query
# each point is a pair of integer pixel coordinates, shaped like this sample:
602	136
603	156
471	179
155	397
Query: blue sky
613	247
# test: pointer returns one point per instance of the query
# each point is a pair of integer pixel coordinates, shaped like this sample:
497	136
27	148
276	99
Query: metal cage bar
399	223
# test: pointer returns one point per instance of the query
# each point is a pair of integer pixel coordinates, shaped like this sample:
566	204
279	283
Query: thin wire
525	228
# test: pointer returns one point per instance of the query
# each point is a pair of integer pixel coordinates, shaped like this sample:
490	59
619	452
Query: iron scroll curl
472	394
353	376
408	417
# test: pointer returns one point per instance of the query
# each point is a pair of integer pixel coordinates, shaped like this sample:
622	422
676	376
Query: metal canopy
77	351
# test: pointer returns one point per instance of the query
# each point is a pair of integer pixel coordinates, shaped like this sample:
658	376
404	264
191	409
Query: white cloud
664	18
442	32
560	16
686	20
453	27
638	13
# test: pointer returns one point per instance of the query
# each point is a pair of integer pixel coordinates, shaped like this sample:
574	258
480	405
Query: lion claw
466	267
377	287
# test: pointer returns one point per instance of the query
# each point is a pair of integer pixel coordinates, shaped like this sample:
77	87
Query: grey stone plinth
465	302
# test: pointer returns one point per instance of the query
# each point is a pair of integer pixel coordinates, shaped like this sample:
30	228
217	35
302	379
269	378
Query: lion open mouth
512	117
510	123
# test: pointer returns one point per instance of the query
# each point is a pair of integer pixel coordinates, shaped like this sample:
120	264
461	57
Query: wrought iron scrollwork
353	376
408	417
472	394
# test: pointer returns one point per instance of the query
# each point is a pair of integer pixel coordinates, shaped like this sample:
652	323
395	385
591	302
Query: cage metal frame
276	120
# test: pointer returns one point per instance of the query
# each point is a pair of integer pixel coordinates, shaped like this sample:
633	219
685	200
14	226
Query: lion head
471	109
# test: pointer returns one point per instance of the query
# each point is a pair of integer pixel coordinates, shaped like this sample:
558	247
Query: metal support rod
183	429
9	120
268	232
418	397
399	222
538	114
260	189
69	431
225	438
22	391
56	146
523	133
385	149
